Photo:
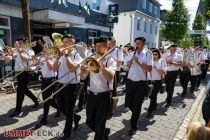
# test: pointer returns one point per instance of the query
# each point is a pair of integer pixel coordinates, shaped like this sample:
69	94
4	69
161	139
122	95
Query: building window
144	4
156	29
145	26
4	21
151	28
150	7
95	5
155	10
138	25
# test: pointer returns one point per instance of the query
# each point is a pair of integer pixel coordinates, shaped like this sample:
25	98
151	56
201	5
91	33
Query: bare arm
49	64
56	65
107	73
71	65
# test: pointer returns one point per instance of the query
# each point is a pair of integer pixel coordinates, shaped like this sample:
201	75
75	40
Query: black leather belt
50	78
99	93
141	81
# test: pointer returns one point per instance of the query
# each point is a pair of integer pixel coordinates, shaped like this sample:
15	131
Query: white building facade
141	19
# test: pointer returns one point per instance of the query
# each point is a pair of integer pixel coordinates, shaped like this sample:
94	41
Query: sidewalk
163	126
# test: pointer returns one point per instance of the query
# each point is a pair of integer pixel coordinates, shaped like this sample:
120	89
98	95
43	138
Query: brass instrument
92	64
57	40
195	70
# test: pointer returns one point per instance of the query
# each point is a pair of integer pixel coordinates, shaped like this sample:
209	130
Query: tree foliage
178	19
199	24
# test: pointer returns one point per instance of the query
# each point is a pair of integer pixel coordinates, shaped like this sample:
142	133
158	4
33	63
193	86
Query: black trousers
198	81
153	97
66	102
184	80
83	94
22	90
205	110
170	80
135	92
46	82
97	111
204	69
193	81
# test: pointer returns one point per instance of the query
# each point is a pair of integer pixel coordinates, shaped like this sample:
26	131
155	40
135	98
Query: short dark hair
157	51
141	39
70	36
24	39
100	39
173	45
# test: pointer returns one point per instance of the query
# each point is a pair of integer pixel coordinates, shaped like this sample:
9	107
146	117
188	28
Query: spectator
195	131
39	46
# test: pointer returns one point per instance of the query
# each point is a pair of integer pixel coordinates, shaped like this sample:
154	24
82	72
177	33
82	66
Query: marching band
70	71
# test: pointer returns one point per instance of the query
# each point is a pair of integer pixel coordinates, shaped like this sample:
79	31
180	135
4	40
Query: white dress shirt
117	54
175	58
160	65
63	69
19	64
98	83
136	73
46	73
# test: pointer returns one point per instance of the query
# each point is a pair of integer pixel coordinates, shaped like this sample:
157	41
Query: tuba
195	70
57	40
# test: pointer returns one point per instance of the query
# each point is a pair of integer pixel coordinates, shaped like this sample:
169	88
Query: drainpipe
132	29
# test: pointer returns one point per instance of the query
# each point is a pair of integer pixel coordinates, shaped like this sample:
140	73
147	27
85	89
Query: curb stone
181	132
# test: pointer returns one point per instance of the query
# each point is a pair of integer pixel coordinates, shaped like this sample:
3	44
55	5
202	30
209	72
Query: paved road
163	126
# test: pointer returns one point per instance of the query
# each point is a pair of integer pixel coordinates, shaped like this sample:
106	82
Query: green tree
207	8
199	24
176	22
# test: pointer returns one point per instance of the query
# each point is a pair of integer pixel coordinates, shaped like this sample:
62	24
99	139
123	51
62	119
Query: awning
57	17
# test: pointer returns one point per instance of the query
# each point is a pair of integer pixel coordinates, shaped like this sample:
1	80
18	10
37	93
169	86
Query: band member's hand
169	62
119	63
135	59
129	64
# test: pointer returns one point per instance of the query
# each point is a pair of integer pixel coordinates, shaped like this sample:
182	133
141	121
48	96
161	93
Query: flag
87	8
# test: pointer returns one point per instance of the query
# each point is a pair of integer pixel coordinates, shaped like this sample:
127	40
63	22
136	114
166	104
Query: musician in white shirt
22	59
69	63
136	84
48	76
157	74
98	100
117	54
173	61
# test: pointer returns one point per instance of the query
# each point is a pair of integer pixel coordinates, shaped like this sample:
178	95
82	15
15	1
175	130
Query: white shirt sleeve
111	64
77	59
149	58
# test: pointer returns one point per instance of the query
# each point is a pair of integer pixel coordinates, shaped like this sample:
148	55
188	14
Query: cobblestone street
163	126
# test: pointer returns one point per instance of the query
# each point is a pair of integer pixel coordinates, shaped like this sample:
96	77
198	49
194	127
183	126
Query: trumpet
92	64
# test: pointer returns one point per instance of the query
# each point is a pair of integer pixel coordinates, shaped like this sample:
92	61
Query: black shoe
36	104
149	115
40	124
106	134
182	95
65	138
57	115
14	114
131	131
168	104
76	122
78	109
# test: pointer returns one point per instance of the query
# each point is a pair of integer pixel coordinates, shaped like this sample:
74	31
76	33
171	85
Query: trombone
92	64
